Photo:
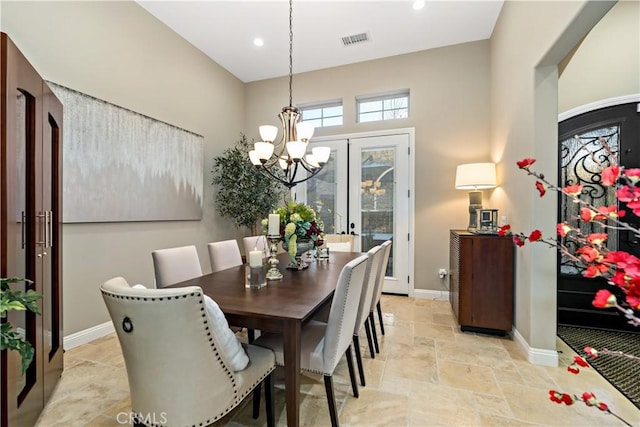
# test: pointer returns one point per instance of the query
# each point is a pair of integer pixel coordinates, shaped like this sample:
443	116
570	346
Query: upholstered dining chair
323	344
183	363
339	242
224	254
377	294
175	265
374	258
251	243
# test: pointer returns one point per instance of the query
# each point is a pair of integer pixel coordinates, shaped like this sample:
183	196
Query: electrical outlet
442	273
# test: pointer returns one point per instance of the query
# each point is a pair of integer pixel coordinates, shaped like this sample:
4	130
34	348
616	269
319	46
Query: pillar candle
255	258
274	224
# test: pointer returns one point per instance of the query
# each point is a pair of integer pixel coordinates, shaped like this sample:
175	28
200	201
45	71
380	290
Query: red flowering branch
588	398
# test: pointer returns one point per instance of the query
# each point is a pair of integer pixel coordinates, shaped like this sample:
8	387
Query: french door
364	190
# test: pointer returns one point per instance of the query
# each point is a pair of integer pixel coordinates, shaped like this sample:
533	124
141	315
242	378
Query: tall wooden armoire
30	228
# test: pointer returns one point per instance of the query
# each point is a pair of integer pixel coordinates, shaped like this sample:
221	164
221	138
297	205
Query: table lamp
475	177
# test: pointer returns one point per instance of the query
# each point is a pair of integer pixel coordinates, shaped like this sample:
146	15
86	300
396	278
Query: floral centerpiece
620	269
298	222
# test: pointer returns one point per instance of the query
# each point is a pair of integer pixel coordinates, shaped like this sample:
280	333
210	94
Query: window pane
321	192
316	113
333	121
369	106
371	117
316	122
333	111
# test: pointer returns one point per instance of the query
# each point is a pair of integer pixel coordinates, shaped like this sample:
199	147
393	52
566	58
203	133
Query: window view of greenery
321	195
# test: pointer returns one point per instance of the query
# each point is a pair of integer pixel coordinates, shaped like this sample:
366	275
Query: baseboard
87	335
537	356
430	294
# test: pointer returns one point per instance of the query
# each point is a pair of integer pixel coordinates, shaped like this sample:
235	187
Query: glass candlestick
273	273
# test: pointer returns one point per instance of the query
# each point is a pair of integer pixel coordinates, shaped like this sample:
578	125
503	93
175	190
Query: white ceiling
224	30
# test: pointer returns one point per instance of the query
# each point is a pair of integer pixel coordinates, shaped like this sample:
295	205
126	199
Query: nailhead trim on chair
237	398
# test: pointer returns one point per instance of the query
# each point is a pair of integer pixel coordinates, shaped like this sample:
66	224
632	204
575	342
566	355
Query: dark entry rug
623	373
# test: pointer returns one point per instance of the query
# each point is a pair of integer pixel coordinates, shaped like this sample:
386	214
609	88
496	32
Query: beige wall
530	39
116	51
607	62
449	97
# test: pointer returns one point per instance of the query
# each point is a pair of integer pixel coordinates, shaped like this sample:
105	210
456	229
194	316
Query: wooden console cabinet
30	230
481	268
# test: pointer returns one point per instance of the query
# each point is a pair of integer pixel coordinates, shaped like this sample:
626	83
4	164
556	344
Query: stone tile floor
428	373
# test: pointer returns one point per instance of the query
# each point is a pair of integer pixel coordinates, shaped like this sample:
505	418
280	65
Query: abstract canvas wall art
120	165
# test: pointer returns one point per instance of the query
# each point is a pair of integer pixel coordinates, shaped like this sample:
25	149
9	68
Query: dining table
282	306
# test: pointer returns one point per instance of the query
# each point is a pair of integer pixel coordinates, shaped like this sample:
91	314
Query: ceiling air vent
355	39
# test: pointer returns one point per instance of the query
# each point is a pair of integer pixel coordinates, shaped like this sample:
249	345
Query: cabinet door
22	394
50	242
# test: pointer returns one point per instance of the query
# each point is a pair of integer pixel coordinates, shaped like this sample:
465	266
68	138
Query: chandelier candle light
290	152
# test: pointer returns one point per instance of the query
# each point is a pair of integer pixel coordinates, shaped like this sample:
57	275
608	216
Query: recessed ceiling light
258	42
419	4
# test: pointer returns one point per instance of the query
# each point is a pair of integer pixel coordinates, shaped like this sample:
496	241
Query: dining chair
377	294
224	254
374	258
184	365
339	242
324	344
175	265
255	243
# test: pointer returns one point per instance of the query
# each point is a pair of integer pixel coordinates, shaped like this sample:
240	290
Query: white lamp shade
264	150
296	149
305	131
268	133
283	163
322	154
311	159
475	176
253	156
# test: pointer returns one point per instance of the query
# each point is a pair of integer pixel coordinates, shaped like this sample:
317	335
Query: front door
364	190
619	127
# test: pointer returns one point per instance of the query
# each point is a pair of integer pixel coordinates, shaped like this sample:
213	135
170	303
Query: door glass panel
321	195
18	253
377	195
581	163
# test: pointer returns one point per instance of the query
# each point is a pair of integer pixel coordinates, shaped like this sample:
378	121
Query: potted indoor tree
245	194
10	299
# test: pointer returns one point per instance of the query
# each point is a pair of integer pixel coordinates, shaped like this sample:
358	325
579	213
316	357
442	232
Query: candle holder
273	273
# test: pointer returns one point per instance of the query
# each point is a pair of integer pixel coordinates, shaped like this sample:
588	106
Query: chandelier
290	152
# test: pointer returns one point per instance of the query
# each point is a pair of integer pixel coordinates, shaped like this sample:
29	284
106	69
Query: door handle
22	225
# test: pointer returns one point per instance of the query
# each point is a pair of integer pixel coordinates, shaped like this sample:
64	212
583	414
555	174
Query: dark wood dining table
283	306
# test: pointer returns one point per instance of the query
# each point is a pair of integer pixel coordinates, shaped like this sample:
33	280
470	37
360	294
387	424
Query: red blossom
525	163
541	188
580	361
597	238
518	240
634	302
633	175
602	406
535	236
563	229
504	230
567	399
572	190
596	270
591	352
555	396
628	193
604	299
588	253
610	175
609	211
587	214
573	369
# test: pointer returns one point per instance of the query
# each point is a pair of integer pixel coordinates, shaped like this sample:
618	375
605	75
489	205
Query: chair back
380	275
254	243
175	265
344	309
339	242
374	259
173	362
224	254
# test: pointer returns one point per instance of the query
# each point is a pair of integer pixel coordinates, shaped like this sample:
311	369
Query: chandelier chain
290	53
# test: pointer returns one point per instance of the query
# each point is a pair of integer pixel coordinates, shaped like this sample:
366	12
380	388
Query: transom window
383	107
322	114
